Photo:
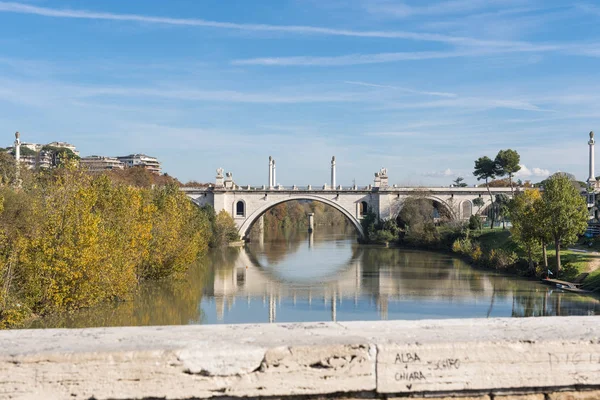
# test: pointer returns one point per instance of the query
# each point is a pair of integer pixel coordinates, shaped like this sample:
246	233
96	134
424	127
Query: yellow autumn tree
70	240
180	233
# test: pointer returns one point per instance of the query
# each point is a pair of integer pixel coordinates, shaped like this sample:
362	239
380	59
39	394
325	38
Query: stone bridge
248	203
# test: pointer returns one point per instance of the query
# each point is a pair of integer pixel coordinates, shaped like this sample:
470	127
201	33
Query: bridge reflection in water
304	278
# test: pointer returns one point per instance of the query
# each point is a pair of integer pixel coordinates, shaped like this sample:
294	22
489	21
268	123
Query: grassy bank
496	249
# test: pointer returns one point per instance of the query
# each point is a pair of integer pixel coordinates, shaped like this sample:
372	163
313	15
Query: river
294	276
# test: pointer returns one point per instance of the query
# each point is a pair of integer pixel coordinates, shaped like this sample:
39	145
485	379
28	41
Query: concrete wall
557	357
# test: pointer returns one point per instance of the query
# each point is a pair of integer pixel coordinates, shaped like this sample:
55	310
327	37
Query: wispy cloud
588	8
403	10
439	174
379	58
41	93
354	59
402	89
289	29
474	103
393	134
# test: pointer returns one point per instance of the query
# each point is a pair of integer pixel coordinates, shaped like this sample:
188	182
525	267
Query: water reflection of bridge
381	281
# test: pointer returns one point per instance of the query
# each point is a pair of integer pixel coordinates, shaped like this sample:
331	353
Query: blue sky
420	87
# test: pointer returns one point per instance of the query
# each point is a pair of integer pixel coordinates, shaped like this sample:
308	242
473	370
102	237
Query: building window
240	209
364	208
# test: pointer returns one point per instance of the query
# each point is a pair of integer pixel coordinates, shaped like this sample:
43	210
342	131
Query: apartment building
133	160
100	163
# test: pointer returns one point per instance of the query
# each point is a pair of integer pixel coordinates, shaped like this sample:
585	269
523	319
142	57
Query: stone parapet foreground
552	357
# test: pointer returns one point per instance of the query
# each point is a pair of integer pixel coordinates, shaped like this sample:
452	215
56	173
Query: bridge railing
328	188
323	188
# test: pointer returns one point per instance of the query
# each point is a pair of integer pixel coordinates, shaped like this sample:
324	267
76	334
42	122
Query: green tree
565	213
8	169
486	169
475	223
501	205
507	162
458	182
525	214
479	203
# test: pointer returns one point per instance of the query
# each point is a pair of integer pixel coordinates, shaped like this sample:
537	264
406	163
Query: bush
501	259
224	230
475	223
378	231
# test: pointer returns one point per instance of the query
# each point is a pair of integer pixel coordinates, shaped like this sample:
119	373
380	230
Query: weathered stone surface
442	398
584	395
492	355
182	362
485	365
531	396
428	358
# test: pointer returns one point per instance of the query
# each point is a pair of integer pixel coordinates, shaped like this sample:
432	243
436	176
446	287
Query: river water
325	276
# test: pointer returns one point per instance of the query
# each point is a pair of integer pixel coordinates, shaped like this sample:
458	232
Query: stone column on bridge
592	178
270	185
333	173
274	175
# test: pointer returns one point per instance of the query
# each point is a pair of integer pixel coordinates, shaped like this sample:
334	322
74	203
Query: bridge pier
311	222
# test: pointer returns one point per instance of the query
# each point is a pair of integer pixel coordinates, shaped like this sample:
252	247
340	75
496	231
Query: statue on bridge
381	178
220	182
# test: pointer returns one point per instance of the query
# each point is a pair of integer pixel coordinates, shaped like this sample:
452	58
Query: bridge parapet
475	358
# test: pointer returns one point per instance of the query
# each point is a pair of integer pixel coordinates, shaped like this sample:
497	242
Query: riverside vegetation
293	214
543	223
70	239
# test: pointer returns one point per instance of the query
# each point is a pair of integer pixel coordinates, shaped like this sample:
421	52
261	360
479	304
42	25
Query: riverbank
495	249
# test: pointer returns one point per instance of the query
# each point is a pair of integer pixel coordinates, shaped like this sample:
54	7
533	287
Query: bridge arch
256	214
438	203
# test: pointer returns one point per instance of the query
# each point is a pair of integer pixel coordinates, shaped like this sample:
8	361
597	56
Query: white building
64	145
133	160
100	163
33	146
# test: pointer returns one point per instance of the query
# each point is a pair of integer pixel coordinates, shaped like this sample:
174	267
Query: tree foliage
224	230
507	162
557	215
293	214
417	220
69	240
479	203
486	169
8	169
528	227
458	182
565	212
